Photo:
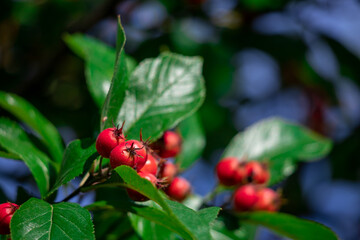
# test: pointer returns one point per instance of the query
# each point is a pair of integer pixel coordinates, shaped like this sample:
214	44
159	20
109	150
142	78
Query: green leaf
111	224
149	230
153	214
9	155
219	231
193	141
194	220
134	181
289	226
27	113
119	83
161	93
77	153
37	219
175	216
279	142
15	141
209	214
99	64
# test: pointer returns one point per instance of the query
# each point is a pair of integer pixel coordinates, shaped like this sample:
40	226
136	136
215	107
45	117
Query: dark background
295	59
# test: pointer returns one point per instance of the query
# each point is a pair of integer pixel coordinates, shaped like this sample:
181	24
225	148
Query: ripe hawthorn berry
6	212
131	153
169	145
108	139
256	172
168	171
178	189
245	198
230	171
150	166
268	200
136	196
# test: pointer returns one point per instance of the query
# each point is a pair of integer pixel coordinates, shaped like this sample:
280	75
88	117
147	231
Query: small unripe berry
230	171
245	198
108	139
168	172
178	189
131	153
150	166
268	200
6	212
256	172
136	196
169	145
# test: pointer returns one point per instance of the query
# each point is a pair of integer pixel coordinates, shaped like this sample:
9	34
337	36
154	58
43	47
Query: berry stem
86	177
86	182
100	166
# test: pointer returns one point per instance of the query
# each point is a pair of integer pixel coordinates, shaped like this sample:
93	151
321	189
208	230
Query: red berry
150	165
256	172
169	145
108	140
6	212
131	153
268	200
178	189
136	196
230	171
168	172
245	197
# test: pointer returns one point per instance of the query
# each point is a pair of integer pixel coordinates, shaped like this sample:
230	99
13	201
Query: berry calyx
230	171
245	198
131	153
168	171
6	212
256	172
108	139
268	200
178	189
136	196
169	145
150	166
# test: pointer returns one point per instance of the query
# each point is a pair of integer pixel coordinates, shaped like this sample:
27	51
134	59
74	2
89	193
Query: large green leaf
15	141
99	64
289	226
9	155
172	215
119	83
77	153
153	214
161	92
193	141
198	222
37	219
279	142
150	230
27	113
134	181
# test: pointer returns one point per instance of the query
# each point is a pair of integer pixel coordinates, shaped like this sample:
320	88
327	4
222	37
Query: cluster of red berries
249	177
7	210
147	159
